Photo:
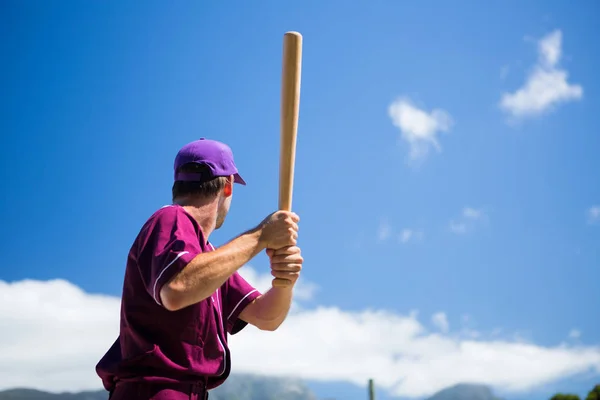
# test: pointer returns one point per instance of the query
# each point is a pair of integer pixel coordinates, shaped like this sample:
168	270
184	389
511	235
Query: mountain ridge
253	387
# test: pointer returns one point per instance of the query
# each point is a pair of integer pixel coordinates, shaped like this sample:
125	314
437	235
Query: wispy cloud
468	218
472	213
405	235
73	329
419	128
593	214
384	230
440	320
408	234
575	334
546	86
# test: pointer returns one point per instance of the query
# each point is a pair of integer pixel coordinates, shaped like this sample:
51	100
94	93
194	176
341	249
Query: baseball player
182	297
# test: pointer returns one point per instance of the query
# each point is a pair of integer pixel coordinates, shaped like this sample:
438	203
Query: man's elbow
269	326
174	296
171	299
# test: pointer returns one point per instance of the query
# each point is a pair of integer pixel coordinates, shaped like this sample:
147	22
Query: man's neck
204	212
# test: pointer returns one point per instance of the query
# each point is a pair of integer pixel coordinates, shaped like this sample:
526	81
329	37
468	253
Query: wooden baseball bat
290	104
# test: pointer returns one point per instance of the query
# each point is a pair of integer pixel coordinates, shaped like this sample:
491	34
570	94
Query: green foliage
594	394
565	396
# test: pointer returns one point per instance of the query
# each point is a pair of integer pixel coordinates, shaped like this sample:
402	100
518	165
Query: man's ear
228	189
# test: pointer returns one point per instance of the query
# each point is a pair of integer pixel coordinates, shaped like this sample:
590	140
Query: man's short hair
206	188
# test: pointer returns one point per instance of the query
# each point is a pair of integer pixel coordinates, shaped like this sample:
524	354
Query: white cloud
593	214
407	359
53	334
550	49
72	329
419	128
547	85
440	320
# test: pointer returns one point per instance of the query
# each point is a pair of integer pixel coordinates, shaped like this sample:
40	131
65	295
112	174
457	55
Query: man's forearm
268	311
208	271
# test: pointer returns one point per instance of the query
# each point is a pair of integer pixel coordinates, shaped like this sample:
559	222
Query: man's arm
268	311
206	272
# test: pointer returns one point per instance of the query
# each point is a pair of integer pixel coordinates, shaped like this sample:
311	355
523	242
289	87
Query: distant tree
565	396
594	394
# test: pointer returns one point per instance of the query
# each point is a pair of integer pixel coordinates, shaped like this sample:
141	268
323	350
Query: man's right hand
280	229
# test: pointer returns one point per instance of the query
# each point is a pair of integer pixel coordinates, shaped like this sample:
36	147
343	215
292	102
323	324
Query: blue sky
498	220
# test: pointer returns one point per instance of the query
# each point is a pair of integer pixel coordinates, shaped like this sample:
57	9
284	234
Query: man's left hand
286	263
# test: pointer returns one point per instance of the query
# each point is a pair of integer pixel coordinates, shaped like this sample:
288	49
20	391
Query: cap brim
238	179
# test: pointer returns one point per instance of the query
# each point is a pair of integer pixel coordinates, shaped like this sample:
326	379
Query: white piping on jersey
162	272
240	302
218	307
217	303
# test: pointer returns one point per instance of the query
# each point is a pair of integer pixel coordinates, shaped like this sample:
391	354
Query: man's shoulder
169	213
165	216
168	210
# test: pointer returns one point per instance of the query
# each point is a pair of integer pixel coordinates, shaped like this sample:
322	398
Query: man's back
161	346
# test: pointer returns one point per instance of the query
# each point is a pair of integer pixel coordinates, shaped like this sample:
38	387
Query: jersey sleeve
239	294
171	241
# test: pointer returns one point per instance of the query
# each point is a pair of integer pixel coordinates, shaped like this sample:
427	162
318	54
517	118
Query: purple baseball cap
217	156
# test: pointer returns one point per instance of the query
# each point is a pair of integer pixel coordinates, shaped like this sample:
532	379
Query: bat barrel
290	104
